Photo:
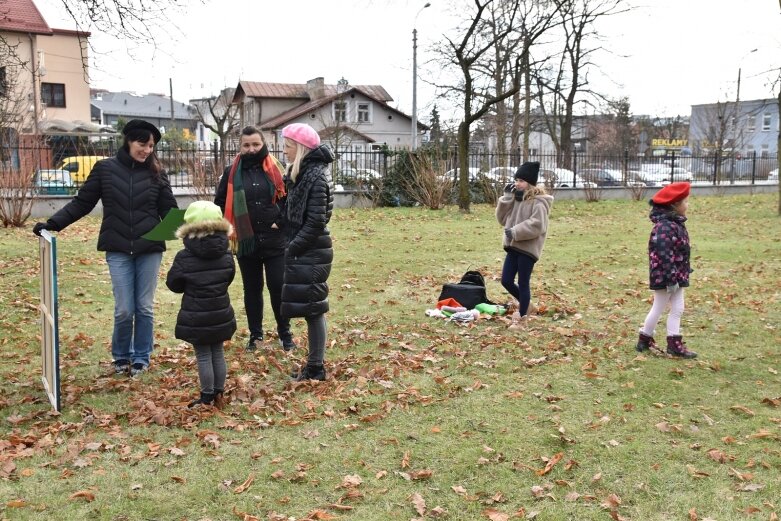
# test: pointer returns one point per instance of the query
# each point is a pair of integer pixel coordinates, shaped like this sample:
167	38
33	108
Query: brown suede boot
645	342
677	347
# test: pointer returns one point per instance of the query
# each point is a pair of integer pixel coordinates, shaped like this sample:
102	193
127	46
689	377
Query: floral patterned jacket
668	249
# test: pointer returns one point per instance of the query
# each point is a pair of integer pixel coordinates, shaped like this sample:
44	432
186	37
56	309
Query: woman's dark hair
249	130
141	135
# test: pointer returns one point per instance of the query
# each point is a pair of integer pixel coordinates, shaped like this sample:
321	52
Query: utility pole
171	92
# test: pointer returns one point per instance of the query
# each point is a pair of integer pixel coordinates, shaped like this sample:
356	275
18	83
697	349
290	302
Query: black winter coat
258	190
309	254
134	201
203	271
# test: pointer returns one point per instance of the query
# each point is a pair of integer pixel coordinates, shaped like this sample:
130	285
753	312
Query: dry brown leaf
612	501
351	480
458	489
495	515
551	463
178	479
244	486
83	494
244	516
16	503
319	515
693	514
405	460
419	503
743	409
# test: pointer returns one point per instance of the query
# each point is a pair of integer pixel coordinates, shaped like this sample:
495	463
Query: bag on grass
469	292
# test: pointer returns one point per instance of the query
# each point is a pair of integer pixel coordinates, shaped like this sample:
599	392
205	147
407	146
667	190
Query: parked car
773	175
562	178
660	174
502	174
602	176
55	181
351	177
79	166
474	174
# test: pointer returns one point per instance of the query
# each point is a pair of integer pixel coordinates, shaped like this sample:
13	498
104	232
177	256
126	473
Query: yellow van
79	166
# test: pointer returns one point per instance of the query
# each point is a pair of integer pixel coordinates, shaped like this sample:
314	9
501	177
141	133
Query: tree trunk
463	167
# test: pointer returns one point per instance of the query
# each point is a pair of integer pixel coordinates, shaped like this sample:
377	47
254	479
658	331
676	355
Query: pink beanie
302	133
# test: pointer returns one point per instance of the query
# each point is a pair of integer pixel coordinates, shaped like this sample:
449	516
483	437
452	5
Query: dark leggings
252	277
316	329
211	367
522	265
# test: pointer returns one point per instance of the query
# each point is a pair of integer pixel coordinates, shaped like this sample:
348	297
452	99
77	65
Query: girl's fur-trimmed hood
203	228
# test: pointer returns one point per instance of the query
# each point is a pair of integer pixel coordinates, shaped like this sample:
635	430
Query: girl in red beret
668	260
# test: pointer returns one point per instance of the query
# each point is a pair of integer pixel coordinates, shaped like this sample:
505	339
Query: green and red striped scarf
242	237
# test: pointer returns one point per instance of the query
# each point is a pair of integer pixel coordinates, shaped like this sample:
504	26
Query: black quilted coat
309	253
203	270
258	190
134	201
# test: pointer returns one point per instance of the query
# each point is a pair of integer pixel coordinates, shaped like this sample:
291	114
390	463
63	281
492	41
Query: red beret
672	193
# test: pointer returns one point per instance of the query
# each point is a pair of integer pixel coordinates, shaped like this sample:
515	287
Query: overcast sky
665	55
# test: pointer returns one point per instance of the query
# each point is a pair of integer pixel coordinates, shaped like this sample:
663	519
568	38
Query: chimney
315	88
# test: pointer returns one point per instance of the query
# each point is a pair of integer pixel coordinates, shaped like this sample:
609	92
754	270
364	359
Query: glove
39	227
509	187
508	233
673	288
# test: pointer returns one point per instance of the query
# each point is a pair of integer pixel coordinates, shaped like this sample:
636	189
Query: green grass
465	417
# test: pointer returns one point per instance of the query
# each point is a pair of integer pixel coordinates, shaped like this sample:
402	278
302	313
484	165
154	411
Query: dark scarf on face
243	237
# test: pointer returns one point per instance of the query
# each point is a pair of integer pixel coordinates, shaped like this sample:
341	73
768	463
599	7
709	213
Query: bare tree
569	83
219	115
532	18
479	90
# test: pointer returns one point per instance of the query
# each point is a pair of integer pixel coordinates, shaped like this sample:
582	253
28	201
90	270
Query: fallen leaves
245	486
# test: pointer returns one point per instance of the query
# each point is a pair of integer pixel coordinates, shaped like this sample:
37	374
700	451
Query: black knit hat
528	172
140	124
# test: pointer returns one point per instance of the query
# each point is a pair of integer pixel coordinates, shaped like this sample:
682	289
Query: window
751	123
364	112
765	121
765	153
340	111
249	113
3	81
53	94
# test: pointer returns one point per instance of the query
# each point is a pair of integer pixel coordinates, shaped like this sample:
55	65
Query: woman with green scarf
252	196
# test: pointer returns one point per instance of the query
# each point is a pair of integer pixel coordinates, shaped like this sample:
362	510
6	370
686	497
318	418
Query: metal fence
59	164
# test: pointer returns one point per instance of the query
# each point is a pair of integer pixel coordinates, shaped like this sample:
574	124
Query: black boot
255	341
205	399
286	340
677	347
645	342
311	372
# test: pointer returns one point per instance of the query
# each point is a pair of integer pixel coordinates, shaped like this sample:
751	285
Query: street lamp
415	79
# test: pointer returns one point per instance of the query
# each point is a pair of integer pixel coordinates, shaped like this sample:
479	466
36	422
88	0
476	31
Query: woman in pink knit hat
309	250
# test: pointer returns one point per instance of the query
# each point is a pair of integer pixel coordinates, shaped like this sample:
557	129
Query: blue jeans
133	280
521	265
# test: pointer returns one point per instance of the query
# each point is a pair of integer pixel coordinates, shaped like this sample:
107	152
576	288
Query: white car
660	174
773	175
562	178
503	174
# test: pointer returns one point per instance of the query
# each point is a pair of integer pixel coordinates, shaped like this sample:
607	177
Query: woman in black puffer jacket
309	251
203	271
136	196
